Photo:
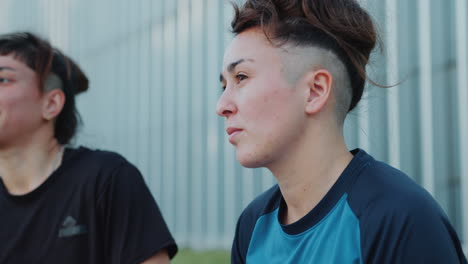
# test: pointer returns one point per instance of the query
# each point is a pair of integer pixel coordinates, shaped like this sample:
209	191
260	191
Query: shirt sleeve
413	232
263	204
239	248
244	230
132	225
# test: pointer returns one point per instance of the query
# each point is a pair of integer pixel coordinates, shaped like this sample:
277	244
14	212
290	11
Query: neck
24	168
308	171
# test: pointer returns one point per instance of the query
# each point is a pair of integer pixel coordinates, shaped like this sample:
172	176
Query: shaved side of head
52	82
298	60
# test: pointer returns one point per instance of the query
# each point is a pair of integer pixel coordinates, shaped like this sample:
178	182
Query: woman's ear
319	84
53	102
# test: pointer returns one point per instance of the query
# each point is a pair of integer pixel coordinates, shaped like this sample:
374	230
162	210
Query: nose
225	106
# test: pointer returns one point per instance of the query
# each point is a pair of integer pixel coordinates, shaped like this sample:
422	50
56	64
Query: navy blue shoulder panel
265	203
399	221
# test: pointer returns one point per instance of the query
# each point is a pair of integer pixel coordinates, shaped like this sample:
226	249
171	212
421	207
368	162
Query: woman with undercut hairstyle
60	204
293	71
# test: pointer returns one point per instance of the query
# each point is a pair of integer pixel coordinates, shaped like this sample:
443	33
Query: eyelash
239	77
5	80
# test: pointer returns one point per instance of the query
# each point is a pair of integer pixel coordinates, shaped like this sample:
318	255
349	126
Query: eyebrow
233	66
6	68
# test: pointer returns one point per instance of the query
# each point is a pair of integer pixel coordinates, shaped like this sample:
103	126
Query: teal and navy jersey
373	214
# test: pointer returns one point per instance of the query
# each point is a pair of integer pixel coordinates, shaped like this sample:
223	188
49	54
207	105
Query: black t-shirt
95	208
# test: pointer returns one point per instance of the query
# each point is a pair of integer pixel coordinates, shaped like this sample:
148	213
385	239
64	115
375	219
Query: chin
251	161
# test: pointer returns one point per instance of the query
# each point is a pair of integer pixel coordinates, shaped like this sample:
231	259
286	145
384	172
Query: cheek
270	109
278	119
17	107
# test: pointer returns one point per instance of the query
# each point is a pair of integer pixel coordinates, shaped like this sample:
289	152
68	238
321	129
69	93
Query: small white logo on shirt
70	228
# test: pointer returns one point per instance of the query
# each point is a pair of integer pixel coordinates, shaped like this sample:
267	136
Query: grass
188	256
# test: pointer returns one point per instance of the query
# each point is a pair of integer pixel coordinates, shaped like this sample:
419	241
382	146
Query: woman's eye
4	80
241	77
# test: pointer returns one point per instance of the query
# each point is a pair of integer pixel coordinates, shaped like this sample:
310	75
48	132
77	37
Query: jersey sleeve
241	241
131	222
263	204
413	232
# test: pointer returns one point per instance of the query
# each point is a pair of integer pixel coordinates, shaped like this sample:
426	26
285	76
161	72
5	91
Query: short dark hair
40	56
341	26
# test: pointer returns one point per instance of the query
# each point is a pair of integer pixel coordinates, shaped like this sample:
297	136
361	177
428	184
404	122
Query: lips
233	132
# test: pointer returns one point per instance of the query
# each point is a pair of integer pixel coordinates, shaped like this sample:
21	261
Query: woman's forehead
250	46
12	62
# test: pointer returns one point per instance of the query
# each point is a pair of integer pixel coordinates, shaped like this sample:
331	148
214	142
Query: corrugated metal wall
154	68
